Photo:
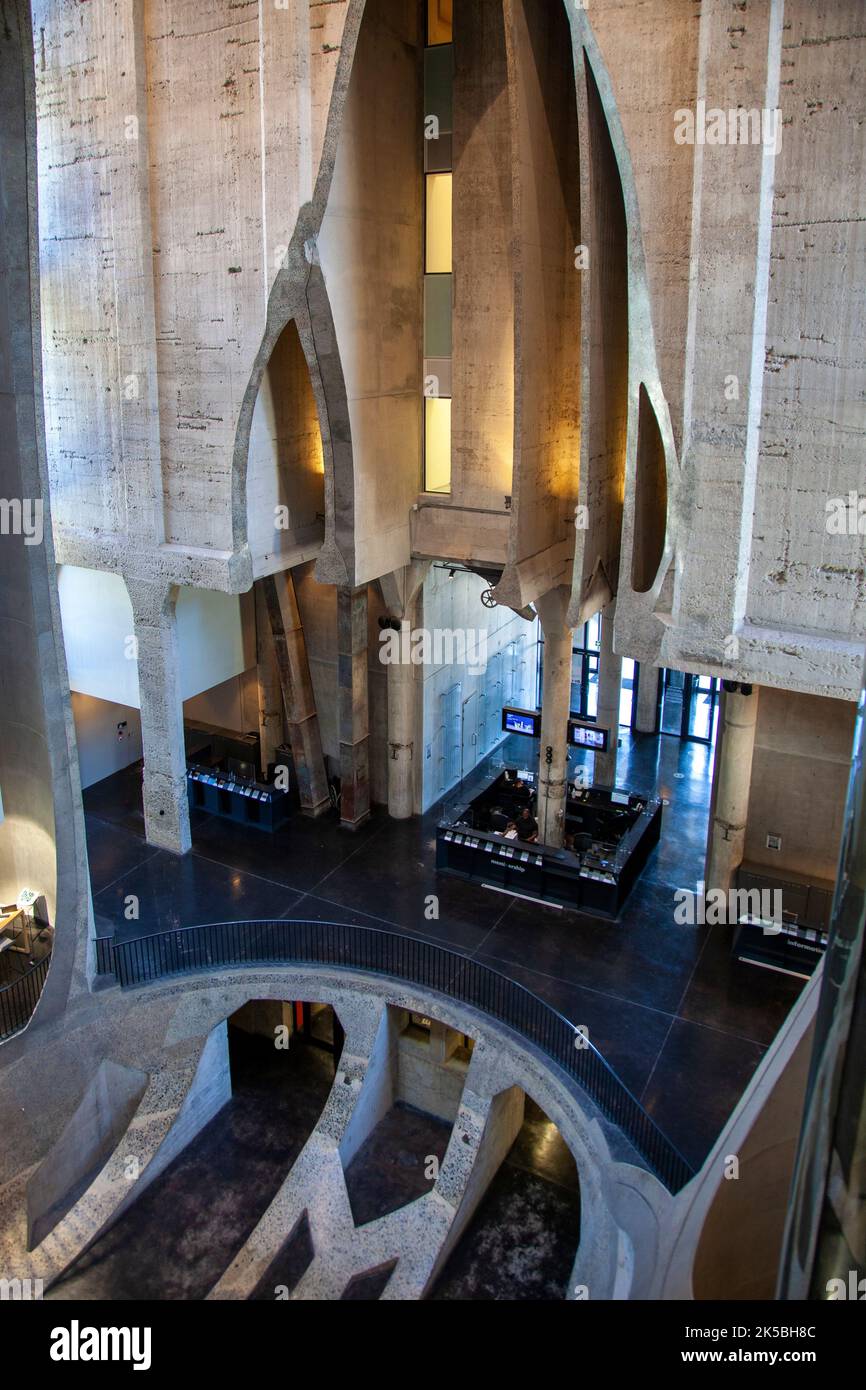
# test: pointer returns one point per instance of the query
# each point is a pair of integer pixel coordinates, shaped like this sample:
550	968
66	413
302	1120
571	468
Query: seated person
527	826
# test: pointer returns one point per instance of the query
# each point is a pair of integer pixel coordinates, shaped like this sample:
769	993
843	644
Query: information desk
248	803
790	948
614	831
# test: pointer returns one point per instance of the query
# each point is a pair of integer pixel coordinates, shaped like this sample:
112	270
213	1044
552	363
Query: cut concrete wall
428	1075
760	590
92	1134
370	252
42	842
285	469
483	288
317	603
547	293
799	782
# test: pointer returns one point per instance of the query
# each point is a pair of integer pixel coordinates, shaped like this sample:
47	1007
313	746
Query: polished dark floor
392	1167
181	1235
521	1243
683	1024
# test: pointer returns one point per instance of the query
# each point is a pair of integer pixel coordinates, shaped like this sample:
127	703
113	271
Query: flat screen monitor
521	721
588	736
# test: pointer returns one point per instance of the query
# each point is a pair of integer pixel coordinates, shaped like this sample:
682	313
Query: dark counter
624	829
233	798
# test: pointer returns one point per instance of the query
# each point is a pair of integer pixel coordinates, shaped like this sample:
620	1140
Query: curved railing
188	949
19	999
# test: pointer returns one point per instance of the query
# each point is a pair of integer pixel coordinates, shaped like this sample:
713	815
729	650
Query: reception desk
616	831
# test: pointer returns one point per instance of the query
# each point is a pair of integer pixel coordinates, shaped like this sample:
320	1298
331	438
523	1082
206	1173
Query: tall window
438	128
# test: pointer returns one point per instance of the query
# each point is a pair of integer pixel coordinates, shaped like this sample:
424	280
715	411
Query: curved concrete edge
170	1030
316	1183
691	1207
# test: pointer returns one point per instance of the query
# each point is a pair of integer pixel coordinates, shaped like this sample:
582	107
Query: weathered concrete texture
483	318
272	725
813	415
285	465
732	777
354	711
401	592
762	591
547	338
556	703
369	249
647	700
651	55
164	1031
42	843
166	805
607	296
299	703
800	769
609	687
84	1147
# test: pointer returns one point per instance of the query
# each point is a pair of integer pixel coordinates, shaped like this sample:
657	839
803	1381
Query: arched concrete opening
262	1081
651	498
285	475
522	1241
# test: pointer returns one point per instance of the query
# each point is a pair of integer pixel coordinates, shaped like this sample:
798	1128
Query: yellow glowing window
438	252
439	21
437	444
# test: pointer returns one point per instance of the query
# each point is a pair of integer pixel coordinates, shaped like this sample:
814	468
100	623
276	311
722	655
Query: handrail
19	998
182	950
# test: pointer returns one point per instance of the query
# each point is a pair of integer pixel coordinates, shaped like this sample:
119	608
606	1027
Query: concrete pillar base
732	780
646	713
299	701
165	798
401	591
354	707
556	701
609	686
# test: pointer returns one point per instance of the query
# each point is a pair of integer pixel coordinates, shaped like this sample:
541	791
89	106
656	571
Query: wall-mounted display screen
582	735
521	721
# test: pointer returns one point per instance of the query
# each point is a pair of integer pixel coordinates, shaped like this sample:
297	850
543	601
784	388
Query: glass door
689	706
701	708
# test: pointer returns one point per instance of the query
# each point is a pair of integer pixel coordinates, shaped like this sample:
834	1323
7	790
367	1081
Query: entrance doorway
689	706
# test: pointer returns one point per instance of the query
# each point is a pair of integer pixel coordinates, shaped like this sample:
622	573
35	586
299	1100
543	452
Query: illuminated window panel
438	244
437	444
439	21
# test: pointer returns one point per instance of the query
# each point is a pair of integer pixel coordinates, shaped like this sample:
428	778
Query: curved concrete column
556	699
401	591
731	786
164	792
609	687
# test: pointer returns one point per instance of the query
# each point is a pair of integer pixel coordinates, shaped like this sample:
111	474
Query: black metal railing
188	949
19	999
